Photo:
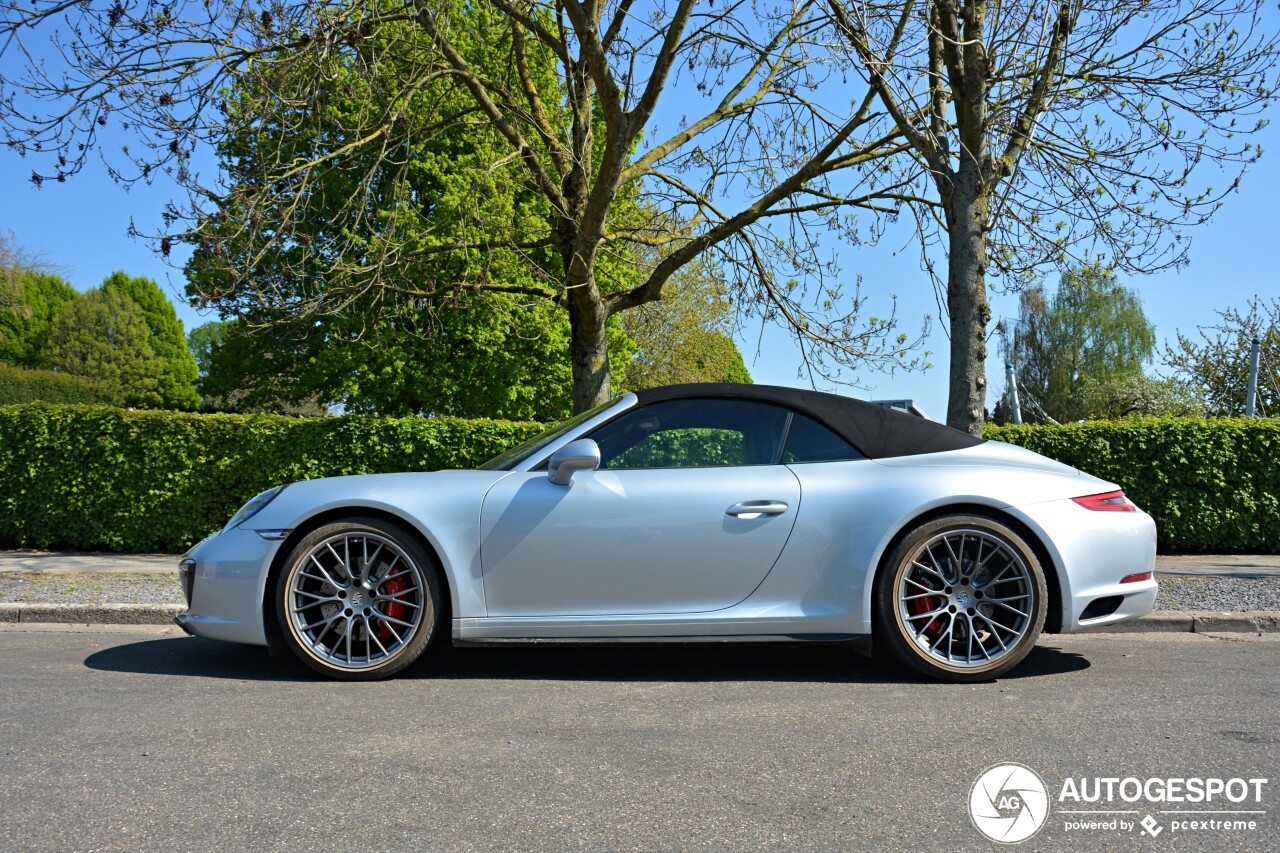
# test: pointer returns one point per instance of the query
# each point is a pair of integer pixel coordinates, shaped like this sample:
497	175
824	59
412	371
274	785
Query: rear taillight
1107	502
1138	578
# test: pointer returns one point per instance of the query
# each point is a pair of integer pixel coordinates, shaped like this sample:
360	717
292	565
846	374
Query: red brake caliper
919	606
393	609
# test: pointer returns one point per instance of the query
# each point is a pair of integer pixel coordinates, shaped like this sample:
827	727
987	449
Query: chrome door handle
755	509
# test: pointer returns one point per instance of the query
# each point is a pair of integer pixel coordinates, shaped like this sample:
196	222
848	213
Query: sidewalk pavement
79	563
1227	565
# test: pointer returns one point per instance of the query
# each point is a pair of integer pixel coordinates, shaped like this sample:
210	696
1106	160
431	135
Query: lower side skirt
859	642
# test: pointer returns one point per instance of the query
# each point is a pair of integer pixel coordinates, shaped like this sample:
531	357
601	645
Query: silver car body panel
652	554
226	596
442	506
631	542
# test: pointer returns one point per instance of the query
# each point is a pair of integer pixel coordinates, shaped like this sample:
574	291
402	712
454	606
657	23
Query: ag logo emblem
1008	803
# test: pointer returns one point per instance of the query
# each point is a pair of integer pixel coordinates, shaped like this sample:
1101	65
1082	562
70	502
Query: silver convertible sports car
691	514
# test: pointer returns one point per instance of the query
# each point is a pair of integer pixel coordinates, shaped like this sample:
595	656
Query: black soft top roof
878	432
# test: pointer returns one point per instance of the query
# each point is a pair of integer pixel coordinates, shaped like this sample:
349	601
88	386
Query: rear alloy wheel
358	599
961	598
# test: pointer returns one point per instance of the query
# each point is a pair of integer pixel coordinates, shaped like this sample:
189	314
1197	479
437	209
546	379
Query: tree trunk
589	350
967	307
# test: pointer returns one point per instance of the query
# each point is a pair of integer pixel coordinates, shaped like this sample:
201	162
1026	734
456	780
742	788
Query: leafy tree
497	354
699	356
1054	133
559	97
16	259
203	340
243	373
496	357
1217	364
686	336
1091	329
35	299
103	335
1137	394
10	267
481	361
168	339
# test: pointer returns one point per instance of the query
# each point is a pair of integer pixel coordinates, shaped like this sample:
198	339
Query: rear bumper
1093	551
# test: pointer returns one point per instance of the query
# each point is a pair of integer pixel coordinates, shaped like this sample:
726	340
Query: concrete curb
1165	621
90	614
1196	622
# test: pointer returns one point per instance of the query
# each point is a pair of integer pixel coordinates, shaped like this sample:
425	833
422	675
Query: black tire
389	606
934	606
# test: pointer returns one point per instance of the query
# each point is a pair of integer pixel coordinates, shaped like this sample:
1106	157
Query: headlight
253	507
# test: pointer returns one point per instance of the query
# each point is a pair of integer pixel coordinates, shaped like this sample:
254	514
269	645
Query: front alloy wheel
962	599
357	599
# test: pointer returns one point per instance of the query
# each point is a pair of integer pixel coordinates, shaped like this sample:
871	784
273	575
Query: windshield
503	461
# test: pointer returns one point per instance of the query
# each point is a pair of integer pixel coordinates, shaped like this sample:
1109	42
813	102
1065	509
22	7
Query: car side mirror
580	455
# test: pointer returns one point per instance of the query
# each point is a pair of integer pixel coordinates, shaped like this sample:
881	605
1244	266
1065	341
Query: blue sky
81	226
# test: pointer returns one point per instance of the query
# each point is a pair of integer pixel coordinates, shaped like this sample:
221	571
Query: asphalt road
139	739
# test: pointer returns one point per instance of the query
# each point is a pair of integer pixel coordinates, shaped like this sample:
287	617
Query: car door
687	513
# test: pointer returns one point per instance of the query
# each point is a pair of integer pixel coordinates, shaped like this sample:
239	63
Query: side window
693	434
810	441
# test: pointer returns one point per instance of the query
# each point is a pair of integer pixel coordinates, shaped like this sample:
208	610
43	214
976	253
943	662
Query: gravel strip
32	588
1218	593
1176	593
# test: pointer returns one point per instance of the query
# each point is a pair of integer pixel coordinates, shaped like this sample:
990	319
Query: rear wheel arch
1053	616
270	624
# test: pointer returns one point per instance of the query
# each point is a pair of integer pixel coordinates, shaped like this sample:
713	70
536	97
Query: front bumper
226	575
1093	552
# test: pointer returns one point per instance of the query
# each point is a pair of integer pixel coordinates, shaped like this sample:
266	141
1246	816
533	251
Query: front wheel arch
271	625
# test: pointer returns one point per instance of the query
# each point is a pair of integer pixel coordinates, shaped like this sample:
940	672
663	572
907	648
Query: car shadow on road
198	658
188	656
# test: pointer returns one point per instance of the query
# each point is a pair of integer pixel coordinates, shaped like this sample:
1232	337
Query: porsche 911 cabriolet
693	514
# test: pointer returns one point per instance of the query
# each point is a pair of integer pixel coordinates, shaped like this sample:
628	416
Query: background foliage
1081	347
414	333
97	478
92	477
1212	485
119	343
490	357
29	302
103	335
177	381
687	336
23	385
1217	365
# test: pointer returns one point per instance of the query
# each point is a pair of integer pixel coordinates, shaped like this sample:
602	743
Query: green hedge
23	385
1213	485
100	478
